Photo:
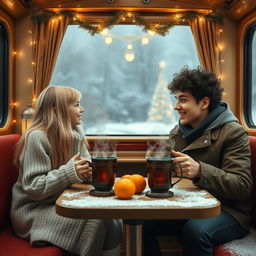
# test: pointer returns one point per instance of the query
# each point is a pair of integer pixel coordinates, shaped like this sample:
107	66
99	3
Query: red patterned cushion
10	245
220	250
8	175
240	247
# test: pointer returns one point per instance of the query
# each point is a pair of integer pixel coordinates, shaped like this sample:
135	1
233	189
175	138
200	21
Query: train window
4	53
250	76
123	75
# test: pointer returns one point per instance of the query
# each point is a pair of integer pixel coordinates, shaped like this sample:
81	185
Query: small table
188	202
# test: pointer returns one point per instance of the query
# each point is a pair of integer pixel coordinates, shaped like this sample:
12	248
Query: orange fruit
139	181
124	188
126	176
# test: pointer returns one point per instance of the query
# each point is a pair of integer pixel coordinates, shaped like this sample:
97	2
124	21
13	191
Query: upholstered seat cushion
240	247
11	245
222	251
8	175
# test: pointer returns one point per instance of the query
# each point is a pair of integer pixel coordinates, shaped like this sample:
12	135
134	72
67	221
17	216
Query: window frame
4	69
247	88
241	72
152	16
9	101
137	138
126	142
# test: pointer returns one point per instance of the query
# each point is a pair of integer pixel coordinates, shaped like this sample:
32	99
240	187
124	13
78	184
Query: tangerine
124	188
139	181
127	176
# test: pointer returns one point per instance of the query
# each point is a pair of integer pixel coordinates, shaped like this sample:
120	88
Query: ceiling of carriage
235	9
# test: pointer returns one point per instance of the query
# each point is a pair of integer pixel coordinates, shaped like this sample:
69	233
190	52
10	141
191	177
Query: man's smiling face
190	111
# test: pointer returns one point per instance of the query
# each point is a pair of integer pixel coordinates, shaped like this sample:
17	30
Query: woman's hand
83	170
190	168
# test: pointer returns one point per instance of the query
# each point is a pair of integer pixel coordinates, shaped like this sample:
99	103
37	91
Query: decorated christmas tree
161	109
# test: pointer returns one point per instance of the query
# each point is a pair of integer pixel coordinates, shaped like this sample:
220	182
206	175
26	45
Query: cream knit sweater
34	195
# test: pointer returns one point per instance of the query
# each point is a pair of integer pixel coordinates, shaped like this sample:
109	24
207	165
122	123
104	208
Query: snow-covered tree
161	109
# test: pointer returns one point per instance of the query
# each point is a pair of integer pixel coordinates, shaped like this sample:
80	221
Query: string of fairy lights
151	28
129	53
20	54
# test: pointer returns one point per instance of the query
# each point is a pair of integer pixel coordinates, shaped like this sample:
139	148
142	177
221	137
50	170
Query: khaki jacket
224	157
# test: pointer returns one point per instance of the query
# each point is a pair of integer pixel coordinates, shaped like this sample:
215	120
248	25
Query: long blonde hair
52	116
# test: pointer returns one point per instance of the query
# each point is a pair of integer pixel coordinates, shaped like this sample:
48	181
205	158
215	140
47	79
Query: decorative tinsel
161	28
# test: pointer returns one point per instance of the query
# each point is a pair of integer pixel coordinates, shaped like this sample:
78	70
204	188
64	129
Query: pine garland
162	28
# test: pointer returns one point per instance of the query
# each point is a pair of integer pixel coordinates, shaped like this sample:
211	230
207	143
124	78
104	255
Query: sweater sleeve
39	181
84	151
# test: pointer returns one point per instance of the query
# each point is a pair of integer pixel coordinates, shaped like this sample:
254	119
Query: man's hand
190	168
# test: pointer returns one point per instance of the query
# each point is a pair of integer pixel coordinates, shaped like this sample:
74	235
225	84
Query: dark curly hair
199	83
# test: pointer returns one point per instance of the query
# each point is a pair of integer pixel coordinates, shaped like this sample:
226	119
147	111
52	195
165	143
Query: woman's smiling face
75	112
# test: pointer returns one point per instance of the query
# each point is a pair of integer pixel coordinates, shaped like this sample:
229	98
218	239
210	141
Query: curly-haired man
213	151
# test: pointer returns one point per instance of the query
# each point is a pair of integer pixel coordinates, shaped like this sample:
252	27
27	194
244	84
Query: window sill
124	138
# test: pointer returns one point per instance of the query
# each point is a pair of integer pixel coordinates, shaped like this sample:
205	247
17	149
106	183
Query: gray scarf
190	134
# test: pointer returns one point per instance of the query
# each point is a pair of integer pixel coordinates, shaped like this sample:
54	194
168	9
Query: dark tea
103	174
160	176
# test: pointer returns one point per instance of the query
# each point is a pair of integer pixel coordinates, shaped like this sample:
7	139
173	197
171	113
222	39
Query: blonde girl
52	155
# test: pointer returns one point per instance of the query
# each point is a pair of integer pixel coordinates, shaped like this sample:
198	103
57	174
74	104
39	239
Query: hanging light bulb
108	40
144	40
129	55
151	33
129	47
104	32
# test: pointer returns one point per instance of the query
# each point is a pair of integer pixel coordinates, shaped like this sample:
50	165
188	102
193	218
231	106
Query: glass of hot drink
160	176
103	175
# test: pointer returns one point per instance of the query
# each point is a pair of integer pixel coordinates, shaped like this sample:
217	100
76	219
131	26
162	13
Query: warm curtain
206	35
47	37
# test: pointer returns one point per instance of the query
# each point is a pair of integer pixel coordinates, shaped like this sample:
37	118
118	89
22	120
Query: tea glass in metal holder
103	175
160	177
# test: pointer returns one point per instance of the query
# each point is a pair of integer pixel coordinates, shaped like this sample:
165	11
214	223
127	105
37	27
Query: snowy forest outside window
123	76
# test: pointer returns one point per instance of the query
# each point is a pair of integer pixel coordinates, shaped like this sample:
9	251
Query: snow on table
183	198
